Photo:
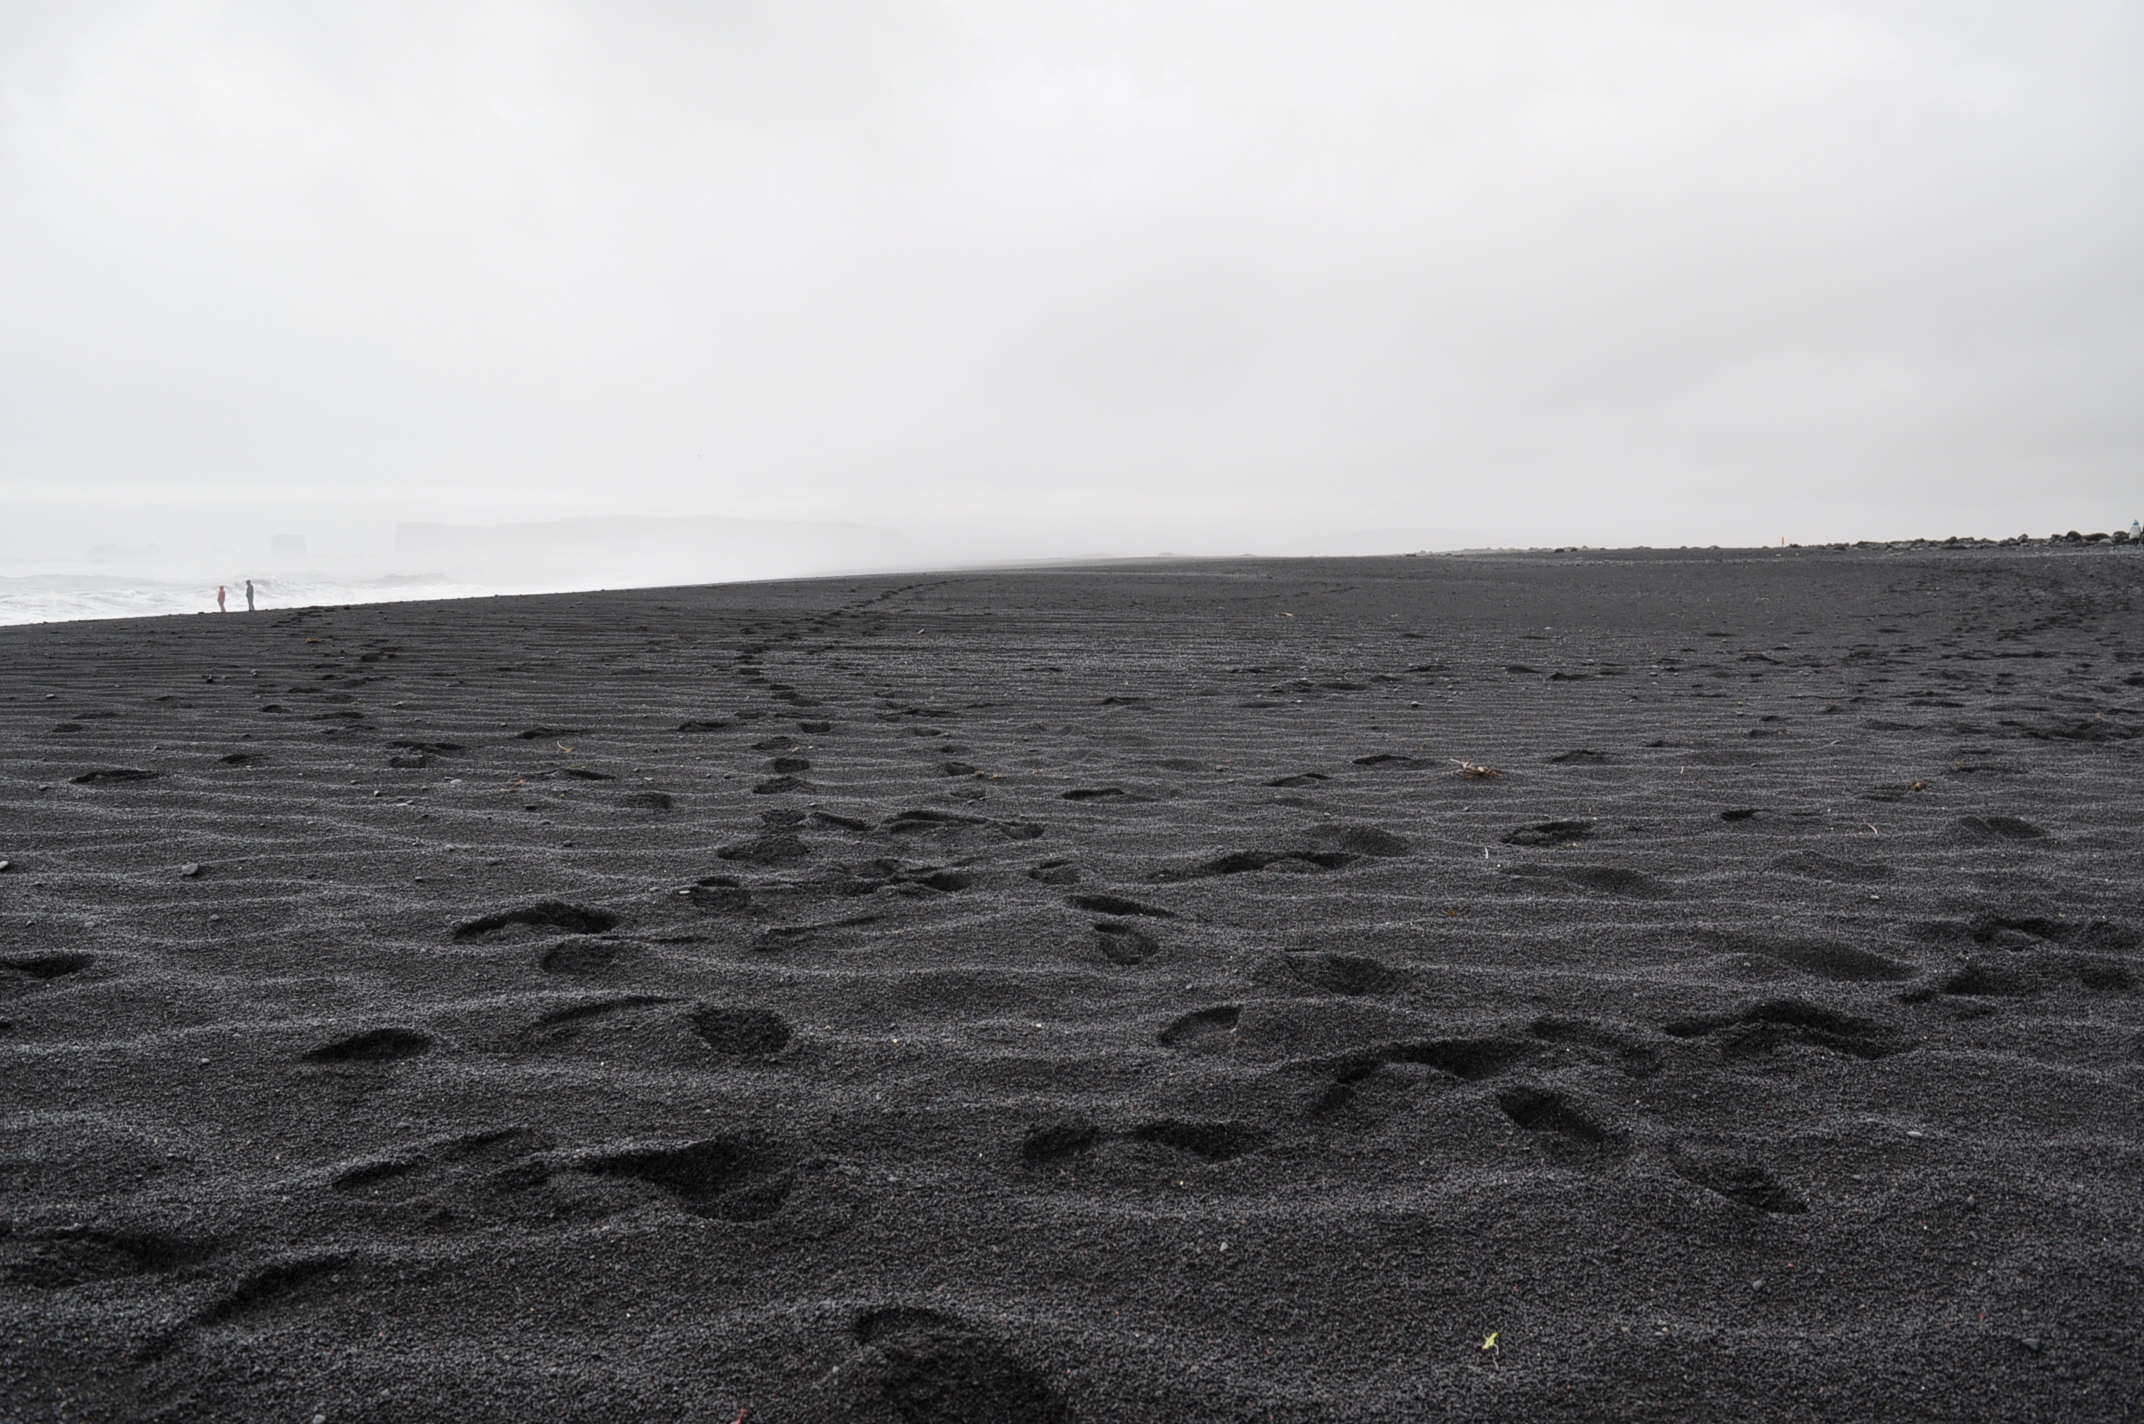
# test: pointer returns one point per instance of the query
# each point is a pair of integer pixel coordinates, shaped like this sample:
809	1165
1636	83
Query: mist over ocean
64	562
53	598
61	562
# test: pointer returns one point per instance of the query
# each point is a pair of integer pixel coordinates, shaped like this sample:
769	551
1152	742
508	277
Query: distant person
249	595
219	600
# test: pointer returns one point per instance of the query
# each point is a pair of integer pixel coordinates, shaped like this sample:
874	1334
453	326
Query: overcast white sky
1058	277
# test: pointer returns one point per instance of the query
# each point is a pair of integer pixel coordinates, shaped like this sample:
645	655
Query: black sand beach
1089	995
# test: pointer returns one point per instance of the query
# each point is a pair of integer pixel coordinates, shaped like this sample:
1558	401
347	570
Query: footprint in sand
1125	944
1360	840
1774	1023
773	848
1202	1027
545	914
579	956
917	1364
1566	1131
728	1178
1840	962
1467	1058
1102	904
1214	1141
740	1032
1057	1141
56	965
378	1045
1243	862
1742	1182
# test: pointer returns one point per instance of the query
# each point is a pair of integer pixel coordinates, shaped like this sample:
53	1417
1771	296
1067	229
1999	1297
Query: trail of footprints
746	1182
819	880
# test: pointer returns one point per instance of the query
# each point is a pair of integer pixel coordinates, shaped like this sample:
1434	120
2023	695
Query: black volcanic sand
1089	994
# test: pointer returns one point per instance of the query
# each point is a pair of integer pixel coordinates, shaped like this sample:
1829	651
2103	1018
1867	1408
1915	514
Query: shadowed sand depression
1087	995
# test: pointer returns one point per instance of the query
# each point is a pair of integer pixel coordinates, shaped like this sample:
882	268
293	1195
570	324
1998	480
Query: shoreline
395	588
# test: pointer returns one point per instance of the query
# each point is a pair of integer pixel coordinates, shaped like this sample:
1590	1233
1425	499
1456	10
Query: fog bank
1019	282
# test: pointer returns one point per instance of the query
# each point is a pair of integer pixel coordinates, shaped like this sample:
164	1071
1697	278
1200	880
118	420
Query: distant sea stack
641	549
